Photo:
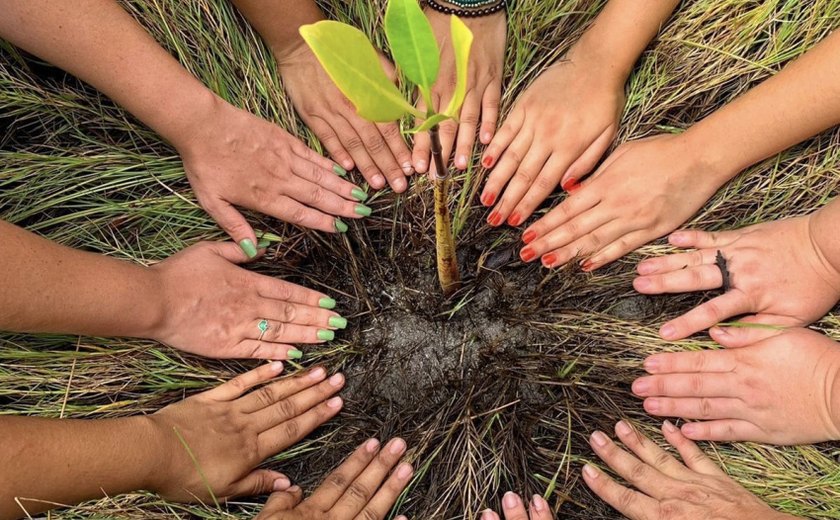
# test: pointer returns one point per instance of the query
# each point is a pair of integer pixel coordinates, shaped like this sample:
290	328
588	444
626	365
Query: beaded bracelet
466	13
471	4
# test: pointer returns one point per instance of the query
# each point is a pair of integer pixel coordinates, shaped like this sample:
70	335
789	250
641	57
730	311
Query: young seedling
353	64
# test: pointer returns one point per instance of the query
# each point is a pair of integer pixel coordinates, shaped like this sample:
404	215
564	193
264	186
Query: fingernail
590	471
667	331
461	161
515	219
282	483
642	284
689	429
336	380
486	137
362	210
488	161
404	471
494	219
719	332
396	446
318	374
549	259
510	500
527	254
248	248
539	503
651	364
338	322
488	199
487	514
359	194
294	489
263	243
340	226
407	169
421	166
652	405
335	402
326	303
586	266
377	182
641	387
668	426
276	366
646	268
529	236
294	353
677	238
400	185
599	439
326	335
570	185
622	428
338	170
371	445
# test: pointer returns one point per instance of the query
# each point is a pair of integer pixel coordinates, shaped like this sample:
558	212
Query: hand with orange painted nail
484	89
769	385
781	272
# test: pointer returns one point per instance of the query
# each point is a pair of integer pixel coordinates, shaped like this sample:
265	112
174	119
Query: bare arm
278	21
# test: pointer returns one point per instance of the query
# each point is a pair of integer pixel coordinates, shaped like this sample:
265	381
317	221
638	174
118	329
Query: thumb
235	225
232	252
281	501
261	482
737	337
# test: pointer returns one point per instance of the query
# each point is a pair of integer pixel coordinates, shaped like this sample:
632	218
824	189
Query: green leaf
413	43
429	123
462	39
353	64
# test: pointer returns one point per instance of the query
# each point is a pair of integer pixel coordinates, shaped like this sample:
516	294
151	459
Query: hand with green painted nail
366	486
215	308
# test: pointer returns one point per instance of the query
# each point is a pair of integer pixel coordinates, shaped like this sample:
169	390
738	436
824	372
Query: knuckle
289	313
712	311
705	408
695	384
337	481
524	176
638	472
354	143
265	396
375	144
292	429
285	409
625	499
368	514
317	195
391	132
358	491
298	216
317	174
545	184
662	459
284	291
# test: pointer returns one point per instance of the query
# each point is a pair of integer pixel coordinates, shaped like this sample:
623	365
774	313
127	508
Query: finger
691	362
588	159
526	175
695	408
289	210
379	151
467	124
281	501
448	132
281	332
488	514
726	430
669	263
269	394
386	497
620	247
308	154
511	157
693	456
700	278
586	243
273	441
702	239
628	502
229	251
296	404
507	171
244	382
355	146
513	507
490	110
539	509
260	482
235	225
362	489
647	479
649	452
327	179
503	138
698	384
706	315
543	186
319	197
270	287
737	337
563	235
396	142
569	208
334	486
332	142
284	312
422	149
259	349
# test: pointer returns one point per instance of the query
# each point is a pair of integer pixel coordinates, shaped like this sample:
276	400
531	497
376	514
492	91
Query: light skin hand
665	488
363	487
777	273
769	386
480	110
514	509
213	307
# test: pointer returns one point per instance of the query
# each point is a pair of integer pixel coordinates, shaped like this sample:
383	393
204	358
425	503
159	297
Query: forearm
103	45
278	22
50	288
620	34
799	102
61	461
823	227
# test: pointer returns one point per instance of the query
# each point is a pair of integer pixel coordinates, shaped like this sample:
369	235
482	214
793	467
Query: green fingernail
247	246
326	335
338	322
362	210
326	303
263	243
341	172
294	354
359	194
340	226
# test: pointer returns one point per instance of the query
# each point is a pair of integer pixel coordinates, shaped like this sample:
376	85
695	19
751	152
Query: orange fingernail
494	219
515	219
549	259
488	199
571	185
487	162
527	254
587	266
529	236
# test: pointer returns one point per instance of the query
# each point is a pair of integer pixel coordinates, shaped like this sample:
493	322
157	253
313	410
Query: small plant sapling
353	64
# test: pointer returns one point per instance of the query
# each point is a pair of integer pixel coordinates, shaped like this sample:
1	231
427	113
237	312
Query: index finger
362	490
689	362
572	206
244	382
275	289
336	483
630	503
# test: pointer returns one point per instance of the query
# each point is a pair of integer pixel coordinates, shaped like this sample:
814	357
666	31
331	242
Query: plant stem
447	260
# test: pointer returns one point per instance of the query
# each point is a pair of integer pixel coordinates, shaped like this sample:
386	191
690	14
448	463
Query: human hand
353	491
514	509
770	386
642	191
378	150
555	134
213	307
777	273
227	433
484	89
666	488
237	159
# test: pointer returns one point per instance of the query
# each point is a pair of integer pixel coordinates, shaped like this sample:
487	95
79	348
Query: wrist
595	55
822	225
200	111
710	156
148	438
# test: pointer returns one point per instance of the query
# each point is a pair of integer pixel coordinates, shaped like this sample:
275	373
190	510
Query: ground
495	391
